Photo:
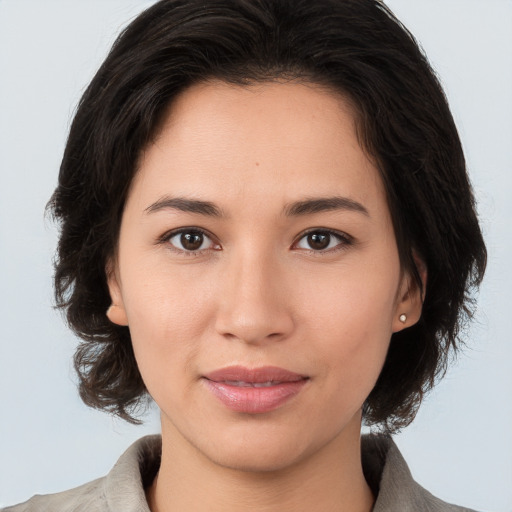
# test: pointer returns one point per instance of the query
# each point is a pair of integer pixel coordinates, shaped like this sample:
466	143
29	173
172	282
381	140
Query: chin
257	461
261	452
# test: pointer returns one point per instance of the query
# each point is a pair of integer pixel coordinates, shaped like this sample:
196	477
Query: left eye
321	241
190	241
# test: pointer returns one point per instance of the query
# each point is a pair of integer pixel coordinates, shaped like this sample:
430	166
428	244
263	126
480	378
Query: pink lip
254	391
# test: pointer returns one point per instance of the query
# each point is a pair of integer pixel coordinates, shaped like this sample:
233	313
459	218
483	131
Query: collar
384	467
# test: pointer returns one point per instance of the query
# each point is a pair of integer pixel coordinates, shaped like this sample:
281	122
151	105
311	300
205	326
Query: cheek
352	325
355	303
167	319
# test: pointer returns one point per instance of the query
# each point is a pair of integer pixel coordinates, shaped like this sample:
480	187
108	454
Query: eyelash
166	239
344	241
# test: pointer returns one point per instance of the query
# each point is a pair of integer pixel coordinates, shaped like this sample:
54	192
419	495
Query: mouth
254	391
243	384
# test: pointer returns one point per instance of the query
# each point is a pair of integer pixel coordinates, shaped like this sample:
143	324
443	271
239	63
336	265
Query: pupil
191	241
319	240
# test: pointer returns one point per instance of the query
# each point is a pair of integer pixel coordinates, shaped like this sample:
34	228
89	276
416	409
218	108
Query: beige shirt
122	490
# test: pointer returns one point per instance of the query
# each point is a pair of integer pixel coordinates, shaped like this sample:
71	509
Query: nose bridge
254	306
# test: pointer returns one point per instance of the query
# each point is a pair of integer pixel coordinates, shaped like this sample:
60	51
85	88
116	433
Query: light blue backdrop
460	446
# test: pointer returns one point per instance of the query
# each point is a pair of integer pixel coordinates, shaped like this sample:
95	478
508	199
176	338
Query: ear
410	297
116	312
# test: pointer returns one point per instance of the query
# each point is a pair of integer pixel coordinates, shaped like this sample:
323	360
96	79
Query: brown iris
191	240
318	240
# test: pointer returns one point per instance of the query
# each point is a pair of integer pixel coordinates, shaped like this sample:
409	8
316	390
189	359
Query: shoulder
393	483
88	497
122	489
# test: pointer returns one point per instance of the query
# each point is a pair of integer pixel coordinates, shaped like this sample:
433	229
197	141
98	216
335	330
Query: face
258	272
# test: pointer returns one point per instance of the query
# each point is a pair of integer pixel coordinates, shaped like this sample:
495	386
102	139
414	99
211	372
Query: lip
256	390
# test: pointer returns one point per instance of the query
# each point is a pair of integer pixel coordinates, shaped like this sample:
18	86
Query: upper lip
254	375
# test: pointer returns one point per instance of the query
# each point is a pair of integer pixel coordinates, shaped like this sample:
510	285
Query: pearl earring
402	318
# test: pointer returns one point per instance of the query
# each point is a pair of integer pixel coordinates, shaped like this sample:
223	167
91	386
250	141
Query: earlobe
408	310
116	313
410	303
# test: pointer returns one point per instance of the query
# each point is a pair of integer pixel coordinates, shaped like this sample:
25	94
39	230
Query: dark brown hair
355	47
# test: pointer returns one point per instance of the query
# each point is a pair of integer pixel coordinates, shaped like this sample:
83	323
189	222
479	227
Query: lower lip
255	400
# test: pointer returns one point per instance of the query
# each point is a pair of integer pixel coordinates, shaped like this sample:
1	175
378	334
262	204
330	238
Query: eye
190	240
323	241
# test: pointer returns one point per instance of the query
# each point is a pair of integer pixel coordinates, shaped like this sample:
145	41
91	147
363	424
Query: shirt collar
384	467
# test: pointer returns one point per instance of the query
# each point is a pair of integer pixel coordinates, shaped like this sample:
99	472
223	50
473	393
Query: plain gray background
460	446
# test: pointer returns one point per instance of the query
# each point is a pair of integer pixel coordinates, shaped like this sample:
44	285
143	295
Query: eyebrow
184	204
297	208
324	204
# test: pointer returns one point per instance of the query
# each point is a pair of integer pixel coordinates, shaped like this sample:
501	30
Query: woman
253	201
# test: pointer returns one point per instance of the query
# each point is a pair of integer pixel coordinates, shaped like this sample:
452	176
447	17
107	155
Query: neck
329	480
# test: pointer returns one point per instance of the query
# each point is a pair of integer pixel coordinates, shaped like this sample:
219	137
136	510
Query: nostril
254	310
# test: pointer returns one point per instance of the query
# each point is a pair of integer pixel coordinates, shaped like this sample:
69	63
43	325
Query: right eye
190	241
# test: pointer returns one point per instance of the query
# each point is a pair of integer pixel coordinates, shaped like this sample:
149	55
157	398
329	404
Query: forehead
249	141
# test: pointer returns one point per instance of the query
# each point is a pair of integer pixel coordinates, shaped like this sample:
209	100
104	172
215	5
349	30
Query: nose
255	305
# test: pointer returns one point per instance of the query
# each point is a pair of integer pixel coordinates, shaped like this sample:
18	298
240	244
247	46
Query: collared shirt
122	490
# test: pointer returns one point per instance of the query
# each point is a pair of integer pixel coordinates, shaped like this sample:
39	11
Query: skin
256	293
